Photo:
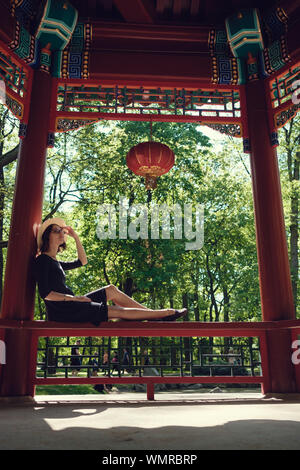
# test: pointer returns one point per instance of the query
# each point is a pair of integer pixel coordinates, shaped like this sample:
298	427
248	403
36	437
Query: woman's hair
45	241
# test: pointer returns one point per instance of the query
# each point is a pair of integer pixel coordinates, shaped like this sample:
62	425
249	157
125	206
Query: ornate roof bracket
249	47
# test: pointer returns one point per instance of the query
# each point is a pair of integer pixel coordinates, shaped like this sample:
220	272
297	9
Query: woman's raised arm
80	250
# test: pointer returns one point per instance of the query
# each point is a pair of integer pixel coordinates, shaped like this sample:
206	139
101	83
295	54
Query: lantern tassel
149	196
150	182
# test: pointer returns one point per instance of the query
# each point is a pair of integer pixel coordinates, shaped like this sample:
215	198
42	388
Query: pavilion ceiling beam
7	23
136	11
120	67
177	7
195	6
290	6
92	4
107	5
103	30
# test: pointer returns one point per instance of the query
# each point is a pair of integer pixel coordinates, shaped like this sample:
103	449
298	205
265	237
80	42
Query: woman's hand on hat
71	232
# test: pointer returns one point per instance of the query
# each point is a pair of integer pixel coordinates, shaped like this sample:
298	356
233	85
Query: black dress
50	276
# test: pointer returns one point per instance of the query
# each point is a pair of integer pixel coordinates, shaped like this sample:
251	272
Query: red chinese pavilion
228	65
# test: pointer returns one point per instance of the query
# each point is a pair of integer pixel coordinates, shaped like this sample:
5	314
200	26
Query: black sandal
178	313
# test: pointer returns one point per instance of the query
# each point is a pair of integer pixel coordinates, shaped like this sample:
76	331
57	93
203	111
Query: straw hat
44	225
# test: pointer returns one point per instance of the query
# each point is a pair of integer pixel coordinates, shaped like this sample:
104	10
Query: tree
218	282
157	271
289	158
8	155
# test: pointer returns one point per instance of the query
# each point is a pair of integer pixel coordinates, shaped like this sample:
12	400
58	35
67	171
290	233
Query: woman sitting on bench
62	304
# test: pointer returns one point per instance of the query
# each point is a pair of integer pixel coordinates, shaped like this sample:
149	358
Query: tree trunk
213	305
293	173
226	297
2	197
196	306
186	341
5	159
128	286
294	231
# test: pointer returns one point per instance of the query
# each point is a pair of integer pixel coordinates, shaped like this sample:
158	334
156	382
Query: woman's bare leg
126	308
121	299
126	313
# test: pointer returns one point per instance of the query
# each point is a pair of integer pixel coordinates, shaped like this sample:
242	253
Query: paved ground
174	421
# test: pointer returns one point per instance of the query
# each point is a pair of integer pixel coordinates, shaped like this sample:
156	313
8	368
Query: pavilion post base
17	400
150	391
15	380
292	397
282	378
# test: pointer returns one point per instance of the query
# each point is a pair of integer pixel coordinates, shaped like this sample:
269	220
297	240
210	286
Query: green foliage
65	390
222	276
87	168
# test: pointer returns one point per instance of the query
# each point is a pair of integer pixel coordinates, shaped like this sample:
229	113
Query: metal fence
139	356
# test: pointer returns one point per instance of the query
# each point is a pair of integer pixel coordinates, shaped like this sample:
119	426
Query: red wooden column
274	272
19	286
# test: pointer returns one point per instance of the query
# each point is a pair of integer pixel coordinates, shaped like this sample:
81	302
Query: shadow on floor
167	425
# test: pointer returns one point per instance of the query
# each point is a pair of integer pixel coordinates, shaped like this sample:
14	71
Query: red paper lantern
150	159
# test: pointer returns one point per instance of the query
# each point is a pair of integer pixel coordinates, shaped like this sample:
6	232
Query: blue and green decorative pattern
276	24
276	56
61	46
45	60
250	48
224	65
244	33
25	45
56	25
276	53
73	62
24	11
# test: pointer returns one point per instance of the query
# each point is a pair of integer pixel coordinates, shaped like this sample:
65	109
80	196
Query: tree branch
9	157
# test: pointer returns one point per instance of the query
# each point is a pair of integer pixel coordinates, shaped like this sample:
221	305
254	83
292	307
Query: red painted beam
7	23
174	33
166	52
148	117
147	39
290	6
193	84
156	66
177	7
149	380
136	11
40	326
149	329
195	6
293	40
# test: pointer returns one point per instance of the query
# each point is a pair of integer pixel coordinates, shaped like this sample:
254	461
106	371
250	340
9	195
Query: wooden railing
153	329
